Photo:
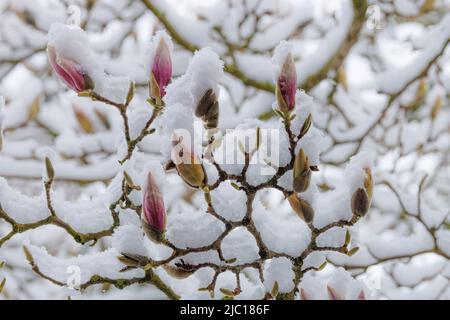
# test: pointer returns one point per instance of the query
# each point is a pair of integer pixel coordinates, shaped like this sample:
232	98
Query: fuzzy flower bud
208	109
161	69
302	172
360	202
153	211
69	71
177	273
301	207
361	198
188	165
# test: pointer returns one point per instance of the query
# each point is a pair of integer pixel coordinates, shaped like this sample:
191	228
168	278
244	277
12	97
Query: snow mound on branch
129	239
157	37
282	232
65	270
279	270
340	281
21	208
334	205
279	57
205	71
188	227
229	202
241	245
85	216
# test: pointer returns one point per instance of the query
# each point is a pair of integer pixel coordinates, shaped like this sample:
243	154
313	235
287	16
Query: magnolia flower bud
153	211
360	202
208	109
287	85
69	71
161	72
188	165
361	198
302	172
301	207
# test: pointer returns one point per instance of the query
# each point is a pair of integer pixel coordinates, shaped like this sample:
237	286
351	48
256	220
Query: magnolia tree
241	149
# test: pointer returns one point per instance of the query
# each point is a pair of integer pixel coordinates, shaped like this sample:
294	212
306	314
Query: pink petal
153	209
288	81
67	70
75	76
162	66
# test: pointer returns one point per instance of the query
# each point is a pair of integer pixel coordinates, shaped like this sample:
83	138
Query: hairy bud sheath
208	109
301	207
187	164
69	71
302	172
177	272
153	211
287	85
133	260
161	72
360	202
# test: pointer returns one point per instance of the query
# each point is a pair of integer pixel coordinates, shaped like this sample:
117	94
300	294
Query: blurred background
379	73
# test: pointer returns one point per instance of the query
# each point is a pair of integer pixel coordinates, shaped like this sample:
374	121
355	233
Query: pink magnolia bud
287	85
161	72
153	210
69	71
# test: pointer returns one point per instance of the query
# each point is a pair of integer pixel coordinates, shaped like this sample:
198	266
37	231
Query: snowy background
375	75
